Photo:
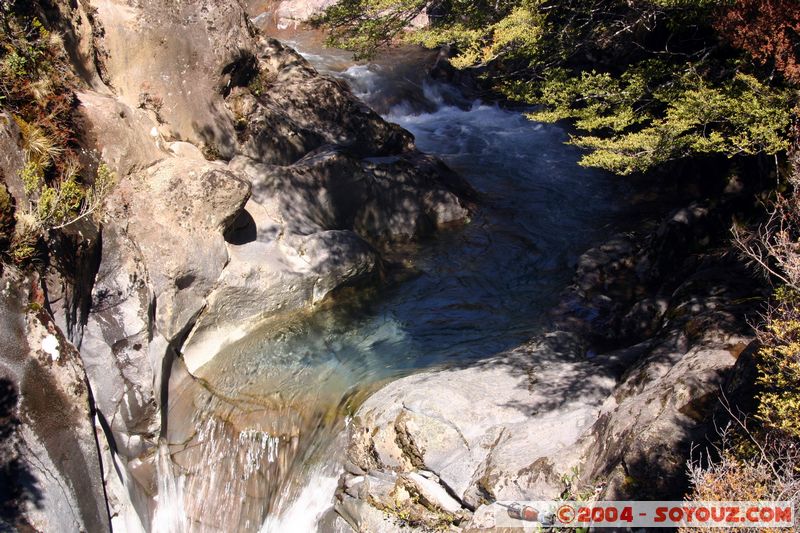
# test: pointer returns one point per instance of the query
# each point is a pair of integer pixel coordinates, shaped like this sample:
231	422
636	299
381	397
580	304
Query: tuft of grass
40	148
27	233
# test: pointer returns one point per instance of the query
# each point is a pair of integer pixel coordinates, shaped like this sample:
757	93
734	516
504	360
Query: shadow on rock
18	487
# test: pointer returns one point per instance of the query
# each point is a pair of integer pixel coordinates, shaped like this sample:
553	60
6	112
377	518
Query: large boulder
325	104
504	429
177	212
283	109
175	70
125	138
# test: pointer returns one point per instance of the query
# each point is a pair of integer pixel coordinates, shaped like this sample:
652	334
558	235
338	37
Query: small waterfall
230	475
170	515
304	510
229	463
307	499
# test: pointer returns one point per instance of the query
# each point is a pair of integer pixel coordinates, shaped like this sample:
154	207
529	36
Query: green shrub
779	366
15	65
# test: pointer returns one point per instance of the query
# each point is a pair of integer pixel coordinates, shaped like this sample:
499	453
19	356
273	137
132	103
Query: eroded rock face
177	212
314	226
12	159
191	109
49	466
123	137
162	252
175	67
198	112
640	443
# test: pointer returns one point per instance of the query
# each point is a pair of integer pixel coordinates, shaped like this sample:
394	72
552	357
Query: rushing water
262	439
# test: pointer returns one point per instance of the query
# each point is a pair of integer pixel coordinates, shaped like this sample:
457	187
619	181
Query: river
260	442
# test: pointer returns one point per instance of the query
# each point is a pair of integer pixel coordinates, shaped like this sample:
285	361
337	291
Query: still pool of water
470	293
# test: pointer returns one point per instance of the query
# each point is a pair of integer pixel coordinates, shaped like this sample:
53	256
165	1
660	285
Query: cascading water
170	515
256	442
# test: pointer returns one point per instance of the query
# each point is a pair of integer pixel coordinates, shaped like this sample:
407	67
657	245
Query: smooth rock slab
502	428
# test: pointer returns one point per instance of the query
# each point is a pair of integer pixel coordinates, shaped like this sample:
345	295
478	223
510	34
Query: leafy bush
56	207
767	30
749	466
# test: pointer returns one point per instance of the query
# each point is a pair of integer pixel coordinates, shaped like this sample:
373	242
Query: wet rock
265	278
632	436
286	109
162	252
383	200
186	260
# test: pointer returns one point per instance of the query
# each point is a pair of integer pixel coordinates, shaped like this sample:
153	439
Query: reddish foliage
769	30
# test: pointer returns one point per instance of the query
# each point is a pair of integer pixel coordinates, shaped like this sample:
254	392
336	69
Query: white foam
306	510
169	515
